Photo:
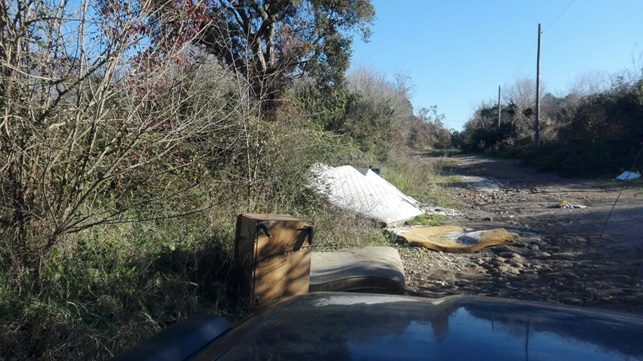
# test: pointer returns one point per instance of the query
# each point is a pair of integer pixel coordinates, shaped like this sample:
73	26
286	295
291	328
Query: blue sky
457	52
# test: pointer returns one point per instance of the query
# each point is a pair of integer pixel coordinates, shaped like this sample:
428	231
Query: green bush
594	135
573	164
581	160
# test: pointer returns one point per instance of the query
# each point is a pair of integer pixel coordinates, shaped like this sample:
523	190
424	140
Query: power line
526	57
548	26
560	14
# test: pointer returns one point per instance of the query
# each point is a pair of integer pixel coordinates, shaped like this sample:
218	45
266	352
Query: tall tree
272	42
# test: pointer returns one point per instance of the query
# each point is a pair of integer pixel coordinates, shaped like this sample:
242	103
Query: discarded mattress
366	194
454	238
625	176
371	269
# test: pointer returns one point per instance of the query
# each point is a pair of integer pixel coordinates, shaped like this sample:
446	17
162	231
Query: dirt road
564	256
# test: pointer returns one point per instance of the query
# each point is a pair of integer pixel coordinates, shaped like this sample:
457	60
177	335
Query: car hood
348	326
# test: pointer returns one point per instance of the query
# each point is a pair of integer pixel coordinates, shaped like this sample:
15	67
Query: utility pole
537	126
499	111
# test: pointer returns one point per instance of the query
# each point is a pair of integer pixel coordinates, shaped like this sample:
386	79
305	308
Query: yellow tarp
455	239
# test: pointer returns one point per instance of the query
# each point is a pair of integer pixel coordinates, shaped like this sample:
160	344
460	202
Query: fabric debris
454	238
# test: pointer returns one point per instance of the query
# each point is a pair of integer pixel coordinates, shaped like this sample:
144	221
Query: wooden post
499	110
537	125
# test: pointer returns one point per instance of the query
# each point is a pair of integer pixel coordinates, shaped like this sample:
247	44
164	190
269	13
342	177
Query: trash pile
365	193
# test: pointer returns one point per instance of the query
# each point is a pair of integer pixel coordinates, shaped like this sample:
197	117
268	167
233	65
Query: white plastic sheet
625	176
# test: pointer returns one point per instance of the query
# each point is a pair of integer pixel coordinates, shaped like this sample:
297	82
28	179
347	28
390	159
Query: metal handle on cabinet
311	232
263	227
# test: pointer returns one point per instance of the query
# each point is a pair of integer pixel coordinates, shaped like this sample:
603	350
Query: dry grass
422	178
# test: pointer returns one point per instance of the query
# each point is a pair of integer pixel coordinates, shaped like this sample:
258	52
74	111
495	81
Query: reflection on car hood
342	326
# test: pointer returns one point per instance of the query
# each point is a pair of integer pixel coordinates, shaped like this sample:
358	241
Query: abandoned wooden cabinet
272	253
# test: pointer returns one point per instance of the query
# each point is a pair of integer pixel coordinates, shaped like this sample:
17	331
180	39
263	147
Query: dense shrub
587	136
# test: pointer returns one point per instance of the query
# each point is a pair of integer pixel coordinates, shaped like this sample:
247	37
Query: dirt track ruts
562	256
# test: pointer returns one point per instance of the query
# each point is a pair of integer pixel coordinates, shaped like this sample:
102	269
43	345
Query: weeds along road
564	256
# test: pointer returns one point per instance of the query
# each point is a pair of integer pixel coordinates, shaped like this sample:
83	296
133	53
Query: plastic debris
569	205
441	211
626	176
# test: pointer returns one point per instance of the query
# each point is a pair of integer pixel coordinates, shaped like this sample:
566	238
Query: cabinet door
273	254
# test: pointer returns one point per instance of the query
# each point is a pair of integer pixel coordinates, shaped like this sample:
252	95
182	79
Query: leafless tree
89	114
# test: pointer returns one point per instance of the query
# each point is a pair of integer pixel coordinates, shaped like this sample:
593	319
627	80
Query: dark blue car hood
344	326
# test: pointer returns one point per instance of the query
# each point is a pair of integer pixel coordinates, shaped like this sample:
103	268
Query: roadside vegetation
594	130
133	133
